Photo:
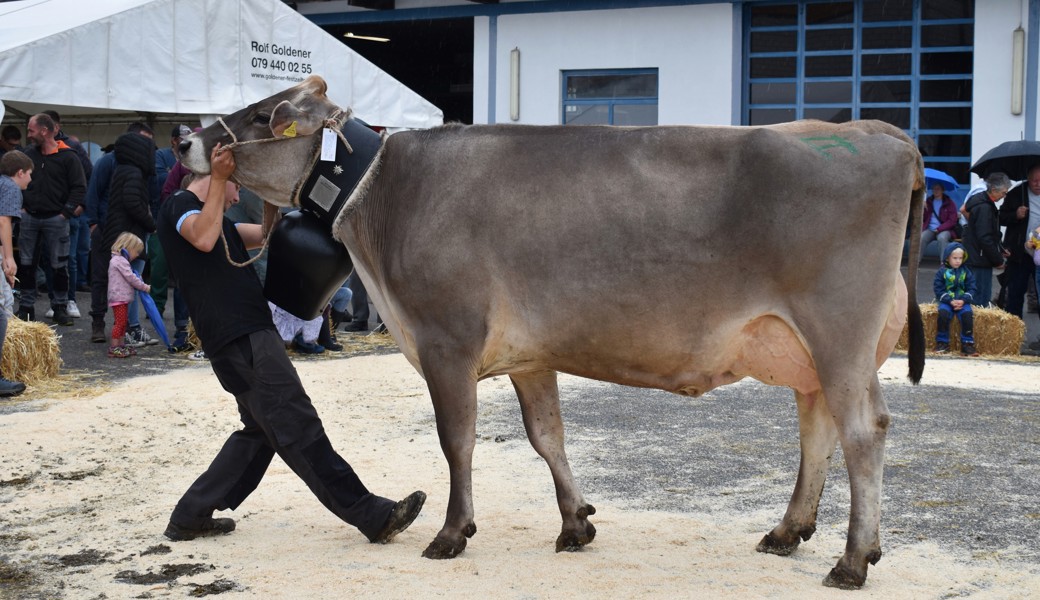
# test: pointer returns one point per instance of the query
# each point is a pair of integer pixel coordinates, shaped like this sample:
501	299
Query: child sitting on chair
122	281
954	288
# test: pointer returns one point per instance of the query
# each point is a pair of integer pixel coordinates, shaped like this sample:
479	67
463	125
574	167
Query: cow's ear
289	121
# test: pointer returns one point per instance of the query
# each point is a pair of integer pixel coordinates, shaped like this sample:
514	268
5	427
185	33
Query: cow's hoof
440	549
572	541
772	544
843	579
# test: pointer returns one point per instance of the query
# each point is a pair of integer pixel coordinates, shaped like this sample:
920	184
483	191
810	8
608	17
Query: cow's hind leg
819	437
540	404
862	421
453	390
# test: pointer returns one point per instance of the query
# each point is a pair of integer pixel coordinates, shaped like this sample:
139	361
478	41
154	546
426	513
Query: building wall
691	46
992	121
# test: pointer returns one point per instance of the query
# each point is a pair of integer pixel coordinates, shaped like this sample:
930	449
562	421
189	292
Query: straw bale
31	352
997	332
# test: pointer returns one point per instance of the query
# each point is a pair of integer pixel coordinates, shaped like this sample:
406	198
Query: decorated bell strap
331	182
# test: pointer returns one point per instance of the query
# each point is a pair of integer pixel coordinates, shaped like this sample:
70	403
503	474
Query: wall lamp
1018	69
514	84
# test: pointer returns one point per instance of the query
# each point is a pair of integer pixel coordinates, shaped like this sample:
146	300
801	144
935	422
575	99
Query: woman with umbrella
940	212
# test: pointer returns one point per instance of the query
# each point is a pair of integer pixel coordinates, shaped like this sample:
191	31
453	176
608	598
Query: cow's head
270	169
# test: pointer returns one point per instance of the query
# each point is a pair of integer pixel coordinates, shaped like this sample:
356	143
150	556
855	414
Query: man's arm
202	230
7	247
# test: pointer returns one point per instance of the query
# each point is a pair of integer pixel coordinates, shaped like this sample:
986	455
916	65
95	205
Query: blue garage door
906	62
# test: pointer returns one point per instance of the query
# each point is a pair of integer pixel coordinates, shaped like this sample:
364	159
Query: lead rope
331	122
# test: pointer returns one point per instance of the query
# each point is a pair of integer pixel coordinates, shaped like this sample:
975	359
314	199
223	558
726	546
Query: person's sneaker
211	528
73	309
118	352
968	350
97	331
49	314
61	316
199	355
138	338
306	347
10	388
400	518
942	348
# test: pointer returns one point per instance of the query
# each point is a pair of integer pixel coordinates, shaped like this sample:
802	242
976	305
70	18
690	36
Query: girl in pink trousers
122	281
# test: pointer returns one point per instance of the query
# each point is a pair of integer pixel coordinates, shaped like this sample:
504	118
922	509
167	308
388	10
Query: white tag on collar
328	144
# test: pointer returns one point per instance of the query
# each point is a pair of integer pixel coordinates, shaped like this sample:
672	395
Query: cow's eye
262	119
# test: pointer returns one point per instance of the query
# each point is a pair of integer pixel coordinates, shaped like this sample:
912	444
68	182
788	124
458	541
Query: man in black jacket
57	190
1016	216
982	235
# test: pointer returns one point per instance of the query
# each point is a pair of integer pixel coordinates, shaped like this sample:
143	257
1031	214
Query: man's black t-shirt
225	302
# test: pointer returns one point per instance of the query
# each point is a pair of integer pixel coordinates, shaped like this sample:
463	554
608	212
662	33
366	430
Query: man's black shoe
209	529
97	331
356	326
61	315
400	518
26	313
10	388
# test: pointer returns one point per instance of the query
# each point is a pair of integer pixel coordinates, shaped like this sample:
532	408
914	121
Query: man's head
10	137
41	129
141	128
1033	180
179	132
17	166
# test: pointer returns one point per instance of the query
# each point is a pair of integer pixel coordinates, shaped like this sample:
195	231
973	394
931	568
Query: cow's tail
914	322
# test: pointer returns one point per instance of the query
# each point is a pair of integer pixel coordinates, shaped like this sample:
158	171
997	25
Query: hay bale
31	352
997	333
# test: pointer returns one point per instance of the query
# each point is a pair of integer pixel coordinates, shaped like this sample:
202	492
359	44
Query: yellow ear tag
290	131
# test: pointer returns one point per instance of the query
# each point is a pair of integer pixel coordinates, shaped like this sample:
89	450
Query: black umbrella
1013	158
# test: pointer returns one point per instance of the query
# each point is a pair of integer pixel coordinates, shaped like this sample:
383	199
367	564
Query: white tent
182	57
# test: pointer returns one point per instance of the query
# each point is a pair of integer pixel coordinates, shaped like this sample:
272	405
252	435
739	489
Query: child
121	284
954	289
15	174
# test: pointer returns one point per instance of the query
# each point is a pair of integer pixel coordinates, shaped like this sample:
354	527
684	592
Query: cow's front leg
818	436
540	404
454	394
862	426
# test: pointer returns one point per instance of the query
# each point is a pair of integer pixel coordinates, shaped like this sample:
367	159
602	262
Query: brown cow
678	258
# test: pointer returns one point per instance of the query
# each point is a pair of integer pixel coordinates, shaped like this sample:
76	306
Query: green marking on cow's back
824	144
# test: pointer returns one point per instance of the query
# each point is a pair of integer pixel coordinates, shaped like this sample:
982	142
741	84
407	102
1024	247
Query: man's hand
10	269
1022	212
222	164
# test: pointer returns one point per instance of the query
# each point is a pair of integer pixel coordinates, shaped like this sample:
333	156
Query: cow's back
629	254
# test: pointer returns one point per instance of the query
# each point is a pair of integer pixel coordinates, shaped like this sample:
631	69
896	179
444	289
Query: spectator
15	174
982	235
79	229
97	210
234	323
51	200
129	210
122	281
940	220
10	139
165	159
295	332
954	287
1020	214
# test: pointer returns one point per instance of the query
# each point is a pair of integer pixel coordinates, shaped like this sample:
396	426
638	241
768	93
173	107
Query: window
906	62
610	97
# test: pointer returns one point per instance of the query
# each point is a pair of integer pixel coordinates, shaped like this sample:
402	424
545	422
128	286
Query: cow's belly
766	349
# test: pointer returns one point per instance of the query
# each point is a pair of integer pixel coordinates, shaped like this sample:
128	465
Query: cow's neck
325	191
